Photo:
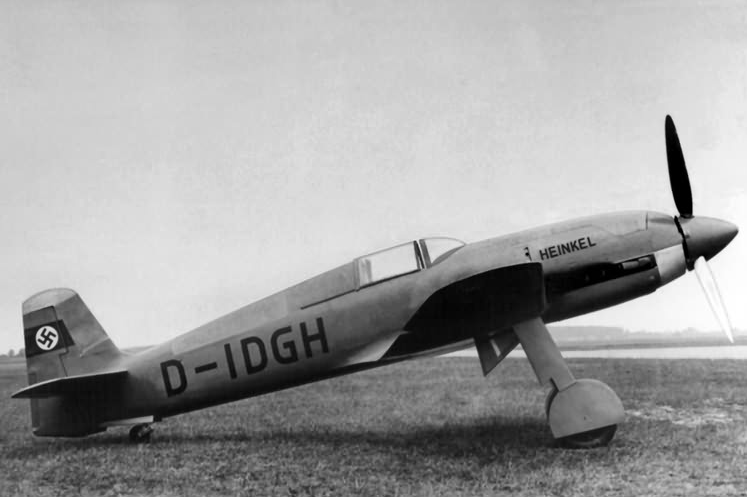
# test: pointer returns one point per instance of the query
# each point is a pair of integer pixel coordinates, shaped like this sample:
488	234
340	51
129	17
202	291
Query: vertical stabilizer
63	338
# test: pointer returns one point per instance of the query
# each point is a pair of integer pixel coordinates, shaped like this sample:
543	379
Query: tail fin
63	339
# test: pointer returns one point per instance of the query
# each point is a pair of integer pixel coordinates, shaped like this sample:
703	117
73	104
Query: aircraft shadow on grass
481	438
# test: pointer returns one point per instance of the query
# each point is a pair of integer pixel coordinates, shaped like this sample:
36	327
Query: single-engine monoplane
423	297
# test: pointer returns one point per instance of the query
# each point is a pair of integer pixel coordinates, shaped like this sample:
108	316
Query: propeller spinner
702	237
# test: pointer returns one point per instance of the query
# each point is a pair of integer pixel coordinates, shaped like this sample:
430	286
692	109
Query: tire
591	439
140	433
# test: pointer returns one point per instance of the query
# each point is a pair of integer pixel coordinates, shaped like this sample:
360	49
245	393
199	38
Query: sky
173	161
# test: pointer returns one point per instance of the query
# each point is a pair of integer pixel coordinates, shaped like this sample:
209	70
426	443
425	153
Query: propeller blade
678	178
708	283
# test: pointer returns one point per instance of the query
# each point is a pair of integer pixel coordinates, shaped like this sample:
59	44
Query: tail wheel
141	433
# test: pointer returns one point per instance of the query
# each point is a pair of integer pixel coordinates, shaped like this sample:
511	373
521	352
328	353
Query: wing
476	306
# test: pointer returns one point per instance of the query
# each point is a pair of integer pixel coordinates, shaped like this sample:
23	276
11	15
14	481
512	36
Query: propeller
713	295
678	178
702	237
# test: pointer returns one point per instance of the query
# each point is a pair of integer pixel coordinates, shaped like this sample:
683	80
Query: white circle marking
47	338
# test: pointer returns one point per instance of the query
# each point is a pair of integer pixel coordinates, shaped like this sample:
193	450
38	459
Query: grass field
429	427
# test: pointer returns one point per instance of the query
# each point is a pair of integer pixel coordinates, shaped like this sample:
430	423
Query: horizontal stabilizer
71	385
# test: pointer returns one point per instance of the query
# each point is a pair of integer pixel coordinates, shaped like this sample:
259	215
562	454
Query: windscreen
387	264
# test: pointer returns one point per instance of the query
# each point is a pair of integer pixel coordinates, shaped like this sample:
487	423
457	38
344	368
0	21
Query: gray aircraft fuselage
332	324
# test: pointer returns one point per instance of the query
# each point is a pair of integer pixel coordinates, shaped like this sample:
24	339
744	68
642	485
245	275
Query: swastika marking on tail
47	338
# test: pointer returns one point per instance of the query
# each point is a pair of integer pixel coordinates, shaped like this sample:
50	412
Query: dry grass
430	427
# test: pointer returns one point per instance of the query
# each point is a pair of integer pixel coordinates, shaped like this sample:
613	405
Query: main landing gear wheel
591	439
584	403
141	433
581	413
601	437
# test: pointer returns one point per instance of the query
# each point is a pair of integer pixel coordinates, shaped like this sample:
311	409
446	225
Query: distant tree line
12	353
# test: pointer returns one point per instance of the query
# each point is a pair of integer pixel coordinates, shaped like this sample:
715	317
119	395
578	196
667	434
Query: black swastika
46	337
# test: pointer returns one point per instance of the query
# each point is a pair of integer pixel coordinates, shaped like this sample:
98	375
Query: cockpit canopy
404	259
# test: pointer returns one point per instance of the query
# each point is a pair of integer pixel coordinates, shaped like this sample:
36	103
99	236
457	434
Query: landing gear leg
581	413
141	433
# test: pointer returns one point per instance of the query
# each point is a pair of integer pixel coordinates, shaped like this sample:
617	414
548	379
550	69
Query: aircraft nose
706	236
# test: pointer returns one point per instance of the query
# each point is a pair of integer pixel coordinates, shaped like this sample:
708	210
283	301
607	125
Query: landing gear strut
141	433
582	413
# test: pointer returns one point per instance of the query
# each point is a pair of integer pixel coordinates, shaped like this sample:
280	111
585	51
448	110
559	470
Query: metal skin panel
369	315
349	322
323	327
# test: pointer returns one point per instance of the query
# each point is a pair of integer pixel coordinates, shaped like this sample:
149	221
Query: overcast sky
172	161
